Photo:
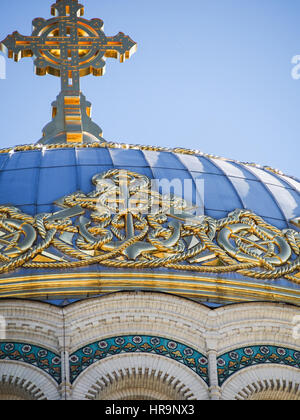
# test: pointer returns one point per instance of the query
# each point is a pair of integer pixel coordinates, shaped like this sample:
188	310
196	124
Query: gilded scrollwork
125	223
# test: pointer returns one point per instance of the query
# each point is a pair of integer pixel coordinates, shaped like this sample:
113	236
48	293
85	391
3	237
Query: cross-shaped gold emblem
69	47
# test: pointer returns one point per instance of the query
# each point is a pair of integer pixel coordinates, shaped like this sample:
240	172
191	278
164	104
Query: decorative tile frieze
36	356
235	360
89	354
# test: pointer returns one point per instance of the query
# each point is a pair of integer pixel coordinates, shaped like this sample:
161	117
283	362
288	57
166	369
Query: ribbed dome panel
33	180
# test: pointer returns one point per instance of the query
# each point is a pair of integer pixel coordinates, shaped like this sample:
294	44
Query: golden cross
69	47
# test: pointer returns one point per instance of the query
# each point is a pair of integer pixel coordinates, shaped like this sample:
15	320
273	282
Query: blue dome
245	247
33	180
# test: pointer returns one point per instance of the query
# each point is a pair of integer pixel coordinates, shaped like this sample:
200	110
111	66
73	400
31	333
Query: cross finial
69	47
67	7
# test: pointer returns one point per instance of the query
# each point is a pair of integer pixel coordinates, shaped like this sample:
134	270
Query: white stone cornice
212	332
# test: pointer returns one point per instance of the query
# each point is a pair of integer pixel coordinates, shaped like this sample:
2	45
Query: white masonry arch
22	381
137	376
266	382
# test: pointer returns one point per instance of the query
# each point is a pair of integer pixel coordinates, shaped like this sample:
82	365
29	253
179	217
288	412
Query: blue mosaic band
40	357
228	363
86	356
235	360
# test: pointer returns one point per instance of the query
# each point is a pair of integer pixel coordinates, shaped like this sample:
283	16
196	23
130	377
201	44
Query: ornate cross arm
67	7
17	46
120	47
69	47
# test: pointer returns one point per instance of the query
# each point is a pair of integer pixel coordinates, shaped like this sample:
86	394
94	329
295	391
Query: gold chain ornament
124	223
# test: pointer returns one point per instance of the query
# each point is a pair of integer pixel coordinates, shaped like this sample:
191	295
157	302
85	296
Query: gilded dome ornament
59	237
126	224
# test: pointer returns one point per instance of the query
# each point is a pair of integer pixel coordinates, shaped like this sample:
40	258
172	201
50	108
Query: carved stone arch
263	382
139	376
19	381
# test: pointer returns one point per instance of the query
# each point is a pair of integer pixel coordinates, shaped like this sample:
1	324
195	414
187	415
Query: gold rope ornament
125	223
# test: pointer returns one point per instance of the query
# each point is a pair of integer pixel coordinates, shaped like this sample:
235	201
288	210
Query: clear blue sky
213	75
